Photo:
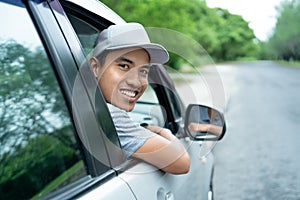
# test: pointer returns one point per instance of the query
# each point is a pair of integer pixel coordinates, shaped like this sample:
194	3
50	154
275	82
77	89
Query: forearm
169	156
165	151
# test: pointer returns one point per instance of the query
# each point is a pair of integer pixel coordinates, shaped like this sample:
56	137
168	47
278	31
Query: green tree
236	39
285	42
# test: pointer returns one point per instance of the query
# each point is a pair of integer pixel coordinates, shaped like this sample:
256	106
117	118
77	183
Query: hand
166	133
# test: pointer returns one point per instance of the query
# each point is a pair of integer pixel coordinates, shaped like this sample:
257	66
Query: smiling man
123	79
121	62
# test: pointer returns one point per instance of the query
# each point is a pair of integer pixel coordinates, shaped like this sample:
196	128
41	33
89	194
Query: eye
144	71
124	66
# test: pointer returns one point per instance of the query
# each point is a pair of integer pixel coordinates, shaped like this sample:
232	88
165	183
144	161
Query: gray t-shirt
132	136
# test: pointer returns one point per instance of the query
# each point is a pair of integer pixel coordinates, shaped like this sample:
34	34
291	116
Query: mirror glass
204	123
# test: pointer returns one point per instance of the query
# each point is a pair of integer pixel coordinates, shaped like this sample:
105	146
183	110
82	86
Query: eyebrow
123	59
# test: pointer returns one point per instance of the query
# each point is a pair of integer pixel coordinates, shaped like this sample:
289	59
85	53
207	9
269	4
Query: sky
261	14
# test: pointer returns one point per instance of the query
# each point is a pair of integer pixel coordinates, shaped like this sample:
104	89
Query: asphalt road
259	156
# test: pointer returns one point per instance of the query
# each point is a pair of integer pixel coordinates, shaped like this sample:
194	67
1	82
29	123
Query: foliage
236	39
36	164
224	36
36	141
28	92
285	42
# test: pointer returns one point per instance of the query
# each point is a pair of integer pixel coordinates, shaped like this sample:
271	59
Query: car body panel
115	188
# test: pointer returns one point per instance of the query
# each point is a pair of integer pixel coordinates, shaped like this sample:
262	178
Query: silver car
57	138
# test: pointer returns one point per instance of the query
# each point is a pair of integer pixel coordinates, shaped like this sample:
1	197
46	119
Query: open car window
148	110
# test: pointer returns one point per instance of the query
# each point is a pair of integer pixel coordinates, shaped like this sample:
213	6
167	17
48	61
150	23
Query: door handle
169	196
163	195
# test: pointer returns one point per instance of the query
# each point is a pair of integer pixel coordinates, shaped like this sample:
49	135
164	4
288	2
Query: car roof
93	6
98	8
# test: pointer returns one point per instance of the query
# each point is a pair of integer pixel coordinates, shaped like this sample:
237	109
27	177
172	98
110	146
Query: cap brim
158	54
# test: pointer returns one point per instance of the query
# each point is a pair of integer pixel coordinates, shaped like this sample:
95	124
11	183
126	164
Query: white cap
130	35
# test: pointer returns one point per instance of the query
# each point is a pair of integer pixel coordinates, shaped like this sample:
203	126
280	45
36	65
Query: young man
121	63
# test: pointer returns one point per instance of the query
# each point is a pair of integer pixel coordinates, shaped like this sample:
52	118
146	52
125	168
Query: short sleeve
131	135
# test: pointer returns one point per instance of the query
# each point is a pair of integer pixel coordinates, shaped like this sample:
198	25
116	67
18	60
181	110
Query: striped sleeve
132	136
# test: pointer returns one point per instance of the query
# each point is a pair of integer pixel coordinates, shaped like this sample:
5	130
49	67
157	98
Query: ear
95	65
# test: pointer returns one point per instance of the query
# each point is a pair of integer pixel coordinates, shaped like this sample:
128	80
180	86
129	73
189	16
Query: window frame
168	98
165	90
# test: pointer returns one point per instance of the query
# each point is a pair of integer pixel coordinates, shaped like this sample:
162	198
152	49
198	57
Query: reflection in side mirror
204	123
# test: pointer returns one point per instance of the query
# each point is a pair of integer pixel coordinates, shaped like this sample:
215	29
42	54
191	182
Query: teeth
128	93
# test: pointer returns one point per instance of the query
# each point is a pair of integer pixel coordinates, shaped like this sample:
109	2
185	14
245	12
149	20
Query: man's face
123	78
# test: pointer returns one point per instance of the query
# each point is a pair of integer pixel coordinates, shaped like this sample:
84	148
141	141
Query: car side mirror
204	123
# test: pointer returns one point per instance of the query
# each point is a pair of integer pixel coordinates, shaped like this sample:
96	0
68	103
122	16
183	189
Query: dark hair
102	56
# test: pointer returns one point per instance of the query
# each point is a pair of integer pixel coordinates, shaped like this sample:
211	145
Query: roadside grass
295	64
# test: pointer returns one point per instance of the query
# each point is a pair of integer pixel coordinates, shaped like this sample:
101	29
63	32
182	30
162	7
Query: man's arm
164	151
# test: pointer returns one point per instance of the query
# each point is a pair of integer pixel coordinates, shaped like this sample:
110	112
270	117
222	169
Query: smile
129	93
